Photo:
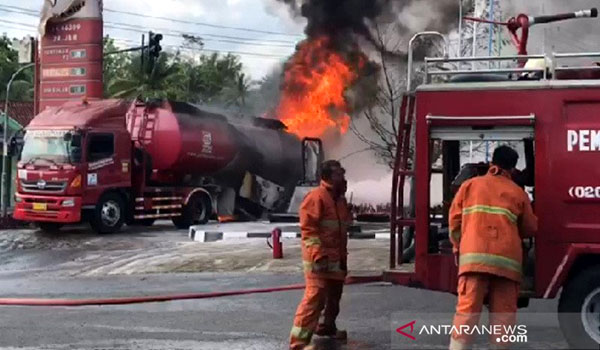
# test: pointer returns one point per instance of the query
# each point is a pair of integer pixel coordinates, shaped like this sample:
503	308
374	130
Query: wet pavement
140	261
76	251
259	321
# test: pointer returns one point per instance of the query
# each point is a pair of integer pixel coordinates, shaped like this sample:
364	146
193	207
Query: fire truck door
103	171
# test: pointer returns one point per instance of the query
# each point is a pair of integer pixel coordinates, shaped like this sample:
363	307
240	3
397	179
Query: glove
321	265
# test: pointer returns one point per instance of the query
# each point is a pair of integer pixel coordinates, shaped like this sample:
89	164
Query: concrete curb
213	236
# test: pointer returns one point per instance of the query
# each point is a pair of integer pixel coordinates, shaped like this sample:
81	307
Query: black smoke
346	21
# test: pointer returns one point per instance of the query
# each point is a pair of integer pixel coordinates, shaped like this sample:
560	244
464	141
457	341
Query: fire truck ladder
142	127
402	170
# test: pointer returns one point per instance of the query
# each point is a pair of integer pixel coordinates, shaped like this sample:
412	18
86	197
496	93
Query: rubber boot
331	332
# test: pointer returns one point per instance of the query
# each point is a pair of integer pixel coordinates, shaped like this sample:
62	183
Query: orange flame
312	100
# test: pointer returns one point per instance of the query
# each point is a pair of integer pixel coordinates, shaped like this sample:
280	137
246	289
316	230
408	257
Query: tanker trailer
239	166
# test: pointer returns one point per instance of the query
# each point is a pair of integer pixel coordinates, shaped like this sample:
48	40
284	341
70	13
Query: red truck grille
43	186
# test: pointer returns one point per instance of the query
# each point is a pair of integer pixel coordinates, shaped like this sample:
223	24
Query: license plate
40	206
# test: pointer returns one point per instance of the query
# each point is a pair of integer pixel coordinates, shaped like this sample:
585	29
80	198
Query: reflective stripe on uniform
301	333
310	241
329	223
490	260
333	266
491	210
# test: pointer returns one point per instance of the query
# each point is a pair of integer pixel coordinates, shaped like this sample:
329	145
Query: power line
252	30
17	23
179	47
182	48
241	53
22	10
17	28
169	32
202	23
179	34
135	26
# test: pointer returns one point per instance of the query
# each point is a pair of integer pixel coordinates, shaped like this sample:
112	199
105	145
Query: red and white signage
71	61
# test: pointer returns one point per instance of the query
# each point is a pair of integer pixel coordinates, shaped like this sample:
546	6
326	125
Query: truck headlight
68	203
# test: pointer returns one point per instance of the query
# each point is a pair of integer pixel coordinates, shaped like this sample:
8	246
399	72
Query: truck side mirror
76	141
68	137
76	148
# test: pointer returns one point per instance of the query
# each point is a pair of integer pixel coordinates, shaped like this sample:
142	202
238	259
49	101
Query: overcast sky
259	51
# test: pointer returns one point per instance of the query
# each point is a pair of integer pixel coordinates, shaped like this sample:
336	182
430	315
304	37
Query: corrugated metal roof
20	111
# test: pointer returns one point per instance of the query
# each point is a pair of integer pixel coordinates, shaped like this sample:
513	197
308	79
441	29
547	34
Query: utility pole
490	42
143	53
474	48
460	20
5	162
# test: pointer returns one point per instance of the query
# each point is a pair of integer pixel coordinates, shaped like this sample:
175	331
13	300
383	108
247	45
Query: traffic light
154	47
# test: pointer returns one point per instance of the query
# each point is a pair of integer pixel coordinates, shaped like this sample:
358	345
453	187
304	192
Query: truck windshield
60	146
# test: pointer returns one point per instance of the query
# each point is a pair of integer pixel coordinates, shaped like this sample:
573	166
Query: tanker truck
112	162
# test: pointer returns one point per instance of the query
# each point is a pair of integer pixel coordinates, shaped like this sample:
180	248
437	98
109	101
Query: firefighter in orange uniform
489	217
324	219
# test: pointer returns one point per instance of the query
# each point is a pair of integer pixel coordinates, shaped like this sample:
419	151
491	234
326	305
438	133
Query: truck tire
49	227
109	214
197	211
579	310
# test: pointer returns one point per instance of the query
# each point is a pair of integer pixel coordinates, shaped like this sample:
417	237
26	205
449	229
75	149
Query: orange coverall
489	217
324	223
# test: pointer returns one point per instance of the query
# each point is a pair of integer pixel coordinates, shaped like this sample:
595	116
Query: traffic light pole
125	50
153	48
142	56
5	163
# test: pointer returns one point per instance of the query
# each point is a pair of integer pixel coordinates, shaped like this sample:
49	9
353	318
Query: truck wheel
109	214
579	310
196	211
49	227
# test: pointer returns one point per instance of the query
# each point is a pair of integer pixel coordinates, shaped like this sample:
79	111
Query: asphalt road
140	261
369	312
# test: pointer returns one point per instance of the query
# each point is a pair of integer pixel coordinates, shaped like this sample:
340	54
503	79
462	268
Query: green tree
204	79
211	76
159	82
22	86
238	90
114	65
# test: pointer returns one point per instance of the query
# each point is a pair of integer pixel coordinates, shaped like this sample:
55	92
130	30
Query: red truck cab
72	156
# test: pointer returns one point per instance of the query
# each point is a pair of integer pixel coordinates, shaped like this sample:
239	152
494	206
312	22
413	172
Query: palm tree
237	92
161	81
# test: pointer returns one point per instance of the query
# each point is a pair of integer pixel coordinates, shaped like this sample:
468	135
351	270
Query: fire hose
162	298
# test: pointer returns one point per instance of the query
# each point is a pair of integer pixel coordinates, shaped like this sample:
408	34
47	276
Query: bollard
277	245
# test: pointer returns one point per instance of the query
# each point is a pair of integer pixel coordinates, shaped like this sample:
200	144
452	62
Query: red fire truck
551	116
111	162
